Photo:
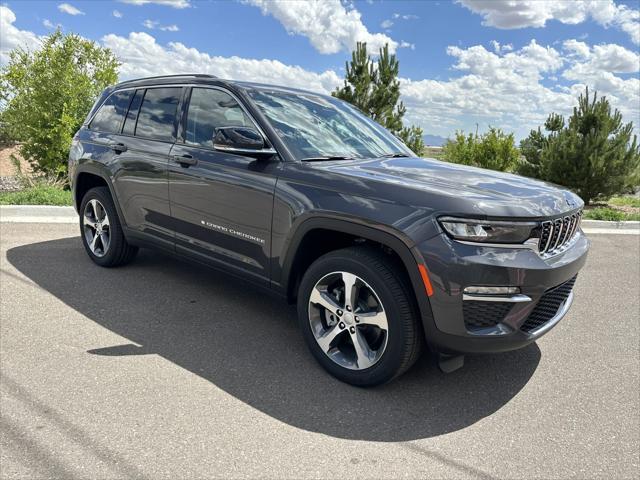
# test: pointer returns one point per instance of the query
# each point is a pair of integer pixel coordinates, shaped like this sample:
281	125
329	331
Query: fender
99	170
399	243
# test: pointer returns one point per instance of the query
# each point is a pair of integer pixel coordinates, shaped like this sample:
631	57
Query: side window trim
187	100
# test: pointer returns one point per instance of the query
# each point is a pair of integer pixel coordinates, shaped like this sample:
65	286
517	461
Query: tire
380	288
111	248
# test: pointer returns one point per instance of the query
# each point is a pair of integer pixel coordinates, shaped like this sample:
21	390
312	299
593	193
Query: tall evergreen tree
375	90
594	153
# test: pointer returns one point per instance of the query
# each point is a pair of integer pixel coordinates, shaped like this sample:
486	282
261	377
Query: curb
37	214
607	224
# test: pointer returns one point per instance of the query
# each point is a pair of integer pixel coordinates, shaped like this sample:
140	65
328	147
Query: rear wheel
101	231
358	317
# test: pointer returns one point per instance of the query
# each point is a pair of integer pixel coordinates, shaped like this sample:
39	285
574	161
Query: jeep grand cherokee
297	192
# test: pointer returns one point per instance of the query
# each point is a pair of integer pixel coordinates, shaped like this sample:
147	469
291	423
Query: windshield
317	127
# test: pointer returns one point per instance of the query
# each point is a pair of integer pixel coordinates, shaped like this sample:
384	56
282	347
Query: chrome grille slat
558	233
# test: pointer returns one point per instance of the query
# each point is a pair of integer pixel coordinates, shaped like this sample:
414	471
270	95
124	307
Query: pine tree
593	153
375	90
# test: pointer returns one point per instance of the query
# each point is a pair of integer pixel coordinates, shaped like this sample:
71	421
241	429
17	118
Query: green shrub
593	154
494	149
606	213
38	195
625	202
47	94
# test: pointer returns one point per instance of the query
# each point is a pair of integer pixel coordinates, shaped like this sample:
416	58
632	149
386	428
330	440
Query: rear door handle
118	147
184	160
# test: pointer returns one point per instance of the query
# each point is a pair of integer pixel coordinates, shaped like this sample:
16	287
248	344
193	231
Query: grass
625	202
37	195
607	213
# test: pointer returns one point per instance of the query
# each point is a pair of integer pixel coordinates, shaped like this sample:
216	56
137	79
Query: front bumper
453	266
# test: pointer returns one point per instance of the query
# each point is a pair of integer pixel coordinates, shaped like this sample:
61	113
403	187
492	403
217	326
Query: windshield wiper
328	157
395	155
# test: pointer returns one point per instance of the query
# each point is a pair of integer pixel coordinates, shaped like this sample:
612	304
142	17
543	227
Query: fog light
474	290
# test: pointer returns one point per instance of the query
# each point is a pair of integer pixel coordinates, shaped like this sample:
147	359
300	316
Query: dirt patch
6	165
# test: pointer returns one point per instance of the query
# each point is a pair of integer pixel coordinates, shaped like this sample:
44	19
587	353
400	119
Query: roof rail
195	75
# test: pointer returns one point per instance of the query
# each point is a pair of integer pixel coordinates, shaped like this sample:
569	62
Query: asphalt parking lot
165	369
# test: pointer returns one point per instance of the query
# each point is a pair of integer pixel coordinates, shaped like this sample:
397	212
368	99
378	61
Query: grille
548	306
479	314
556	234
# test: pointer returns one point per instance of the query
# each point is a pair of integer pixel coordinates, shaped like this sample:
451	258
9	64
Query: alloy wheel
96	226
348	320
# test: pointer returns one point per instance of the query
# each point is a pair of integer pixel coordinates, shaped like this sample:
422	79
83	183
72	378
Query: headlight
488	231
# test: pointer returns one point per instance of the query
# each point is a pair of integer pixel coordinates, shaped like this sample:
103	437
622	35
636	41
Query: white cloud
142	56
506	89
117	14
330	26
153	24
11	37
69	9
48	23
509	14
405	17
404	44
169	3
386	24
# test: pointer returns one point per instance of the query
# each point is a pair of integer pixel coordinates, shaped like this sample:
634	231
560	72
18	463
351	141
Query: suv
300	193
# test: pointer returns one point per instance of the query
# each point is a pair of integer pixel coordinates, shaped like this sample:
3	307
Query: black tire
119	252
405	336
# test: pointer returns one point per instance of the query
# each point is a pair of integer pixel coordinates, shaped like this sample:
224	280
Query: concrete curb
51	214
606	224
37	214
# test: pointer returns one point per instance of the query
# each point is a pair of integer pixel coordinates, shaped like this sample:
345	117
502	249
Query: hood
459	189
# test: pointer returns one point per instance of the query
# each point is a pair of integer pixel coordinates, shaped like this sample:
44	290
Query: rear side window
130	122
210	109
109	117
157	117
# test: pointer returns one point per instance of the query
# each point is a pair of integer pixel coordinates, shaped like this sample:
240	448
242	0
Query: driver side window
210	109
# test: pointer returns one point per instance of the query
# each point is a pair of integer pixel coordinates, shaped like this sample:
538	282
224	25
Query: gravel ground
165	369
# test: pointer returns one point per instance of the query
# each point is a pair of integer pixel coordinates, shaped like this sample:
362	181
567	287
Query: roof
204	78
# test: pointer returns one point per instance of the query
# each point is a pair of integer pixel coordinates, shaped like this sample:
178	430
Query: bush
38	195
593	154
606	213
47	94
493	149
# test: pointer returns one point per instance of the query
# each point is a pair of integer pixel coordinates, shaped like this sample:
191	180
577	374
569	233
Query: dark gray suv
299	193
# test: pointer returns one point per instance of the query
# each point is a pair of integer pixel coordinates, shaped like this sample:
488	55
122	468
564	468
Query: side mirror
241	140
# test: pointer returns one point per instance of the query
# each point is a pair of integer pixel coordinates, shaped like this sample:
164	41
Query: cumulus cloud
329	25
169	3
509	14
142	56
507	90
153	24
69	9
12	37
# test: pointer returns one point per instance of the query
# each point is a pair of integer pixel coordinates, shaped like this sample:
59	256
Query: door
221	203
141	177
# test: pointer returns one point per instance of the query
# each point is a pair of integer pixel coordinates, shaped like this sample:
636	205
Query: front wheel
357	316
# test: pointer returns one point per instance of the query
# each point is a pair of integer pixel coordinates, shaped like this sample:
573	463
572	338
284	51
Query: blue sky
462	63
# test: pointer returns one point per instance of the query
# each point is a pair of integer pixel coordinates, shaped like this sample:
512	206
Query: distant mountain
434	140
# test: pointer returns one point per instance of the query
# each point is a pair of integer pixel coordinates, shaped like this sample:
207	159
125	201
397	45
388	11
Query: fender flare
399	243
97	170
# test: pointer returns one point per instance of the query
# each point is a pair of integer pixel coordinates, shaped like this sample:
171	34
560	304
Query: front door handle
118	147
184	160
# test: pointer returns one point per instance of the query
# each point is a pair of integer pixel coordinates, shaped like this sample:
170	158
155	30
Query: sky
464	64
